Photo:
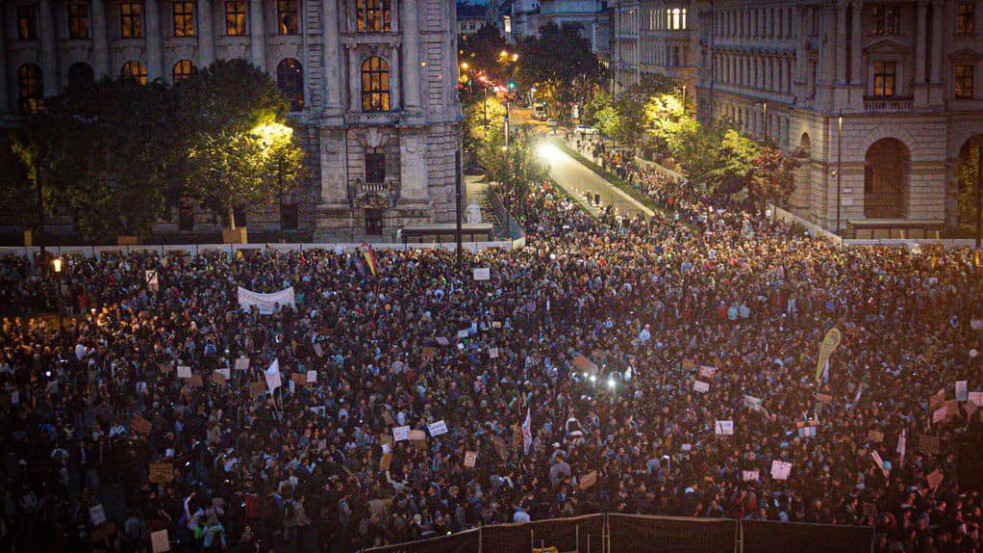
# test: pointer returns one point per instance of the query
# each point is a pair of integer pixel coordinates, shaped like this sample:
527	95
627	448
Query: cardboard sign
470	458
496	324
752	402
976	398
707	371
724	428
141	425
242	364
461	334
218	379
429	352
386	461
299	379
689	364
588	480
311	377
318	350
934	479
780	470
928	444
437	428
482	274
256	389
493	353
939	415
936	401
824	398
161	473
196	381
183	371
401	433
749	475
97	515
160	542
499	444
701	387
226	373
962	390
875	437
417	436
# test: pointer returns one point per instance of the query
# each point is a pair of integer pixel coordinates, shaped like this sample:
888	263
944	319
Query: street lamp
56	264
839	167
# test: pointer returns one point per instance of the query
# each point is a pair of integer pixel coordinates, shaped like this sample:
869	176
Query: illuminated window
966	19
885	77
78	21
375	85
183	70
290	82
288	21
886	20
27	23
964	80
131	19
373	16
30	85
136	71
235	18
184	18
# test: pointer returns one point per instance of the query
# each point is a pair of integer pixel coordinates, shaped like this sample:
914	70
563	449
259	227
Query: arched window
373	16
30	83
81	76
290	82
183	70
375	85
136	71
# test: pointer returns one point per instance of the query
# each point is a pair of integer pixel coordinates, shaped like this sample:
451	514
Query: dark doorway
886	170
373	222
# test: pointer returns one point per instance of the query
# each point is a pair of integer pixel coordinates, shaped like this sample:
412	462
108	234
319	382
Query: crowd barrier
198	249
618	533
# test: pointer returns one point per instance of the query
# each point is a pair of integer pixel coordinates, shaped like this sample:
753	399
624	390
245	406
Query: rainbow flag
369	256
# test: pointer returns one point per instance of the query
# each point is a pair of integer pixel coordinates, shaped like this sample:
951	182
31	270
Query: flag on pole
369	256
527	432
830	342
902	446
272	375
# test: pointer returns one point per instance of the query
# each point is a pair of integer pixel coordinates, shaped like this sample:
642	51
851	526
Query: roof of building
467	10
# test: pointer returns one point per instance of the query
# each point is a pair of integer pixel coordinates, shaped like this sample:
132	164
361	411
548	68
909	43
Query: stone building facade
878	100
654	37
371	83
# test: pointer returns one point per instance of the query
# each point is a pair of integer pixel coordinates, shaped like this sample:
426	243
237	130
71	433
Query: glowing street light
611	383
465	66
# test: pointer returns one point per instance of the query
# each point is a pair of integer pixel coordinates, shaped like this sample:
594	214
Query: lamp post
839	168
56	264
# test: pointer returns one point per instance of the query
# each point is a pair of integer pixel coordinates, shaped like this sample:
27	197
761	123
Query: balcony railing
888	105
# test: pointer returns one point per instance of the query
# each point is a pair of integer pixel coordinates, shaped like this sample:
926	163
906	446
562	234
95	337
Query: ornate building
654	37
371	84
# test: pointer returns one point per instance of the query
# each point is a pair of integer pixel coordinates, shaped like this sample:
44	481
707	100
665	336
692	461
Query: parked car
584	129
539	112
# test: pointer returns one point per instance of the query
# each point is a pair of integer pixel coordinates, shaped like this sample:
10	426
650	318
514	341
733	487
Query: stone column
411	55
155	66
206	38
100	42
49	51
841	53
257	34
937	34
920	44
856	45
413	167
4	73
332	61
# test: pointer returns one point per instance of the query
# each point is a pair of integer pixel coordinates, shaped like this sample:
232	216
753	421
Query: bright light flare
548	152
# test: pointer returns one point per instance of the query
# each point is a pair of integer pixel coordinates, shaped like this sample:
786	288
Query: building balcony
888	105
378	195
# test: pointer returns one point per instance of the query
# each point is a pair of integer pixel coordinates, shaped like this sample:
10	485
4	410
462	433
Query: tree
560	64
481	52
773	175
281	162
225	110
589	114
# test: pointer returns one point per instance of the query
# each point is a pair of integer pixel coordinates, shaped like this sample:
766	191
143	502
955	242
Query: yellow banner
830	342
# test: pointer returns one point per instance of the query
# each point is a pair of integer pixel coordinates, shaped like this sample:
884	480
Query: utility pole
839	168
457	210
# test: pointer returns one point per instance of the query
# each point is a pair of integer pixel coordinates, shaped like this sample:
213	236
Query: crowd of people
602	346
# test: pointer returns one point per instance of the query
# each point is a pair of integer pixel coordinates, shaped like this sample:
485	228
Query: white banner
437	428
272	375
724	428
265	302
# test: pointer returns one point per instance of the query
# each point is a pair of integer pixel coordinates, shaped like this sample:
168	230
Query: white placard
701	387
976	324
387	449
462	333
265	303
160	542
752	402
724	428
707	371
97	514
242	364
940	414
311	377
227	373
749	475
482	274
493	353
437	428
401	433
470	458
780	470
977	398
150	276
687	447
962	390
183	371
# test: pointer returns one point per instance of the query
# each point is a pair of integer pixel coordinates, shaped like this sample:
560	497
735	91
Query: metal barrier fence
617	533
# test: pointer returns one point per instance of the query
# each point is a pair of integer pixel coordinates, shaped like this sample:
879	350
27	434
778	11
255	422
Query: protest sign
401	433
265	303
161	473
829	344
952	408
934	479
724	428
141	425
976	324
226	373
780	470
493	353
418	438
257	389
939	415
482	274
463	333
160	542
195	381
429	352
441	341
701	387
962	390
242	364
824	398
878	461
752	402
299	379
936	401
437	428
499	445
749	475
150	277
386	461
976	398
470	458
272	375
218	379
311	377
97	514
183	371
588	480
707	371
928	444
689	364
583	364
318	350
875	437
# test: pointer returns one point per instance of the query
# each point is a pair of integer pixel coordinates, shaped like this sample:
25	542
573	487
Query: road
581	181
